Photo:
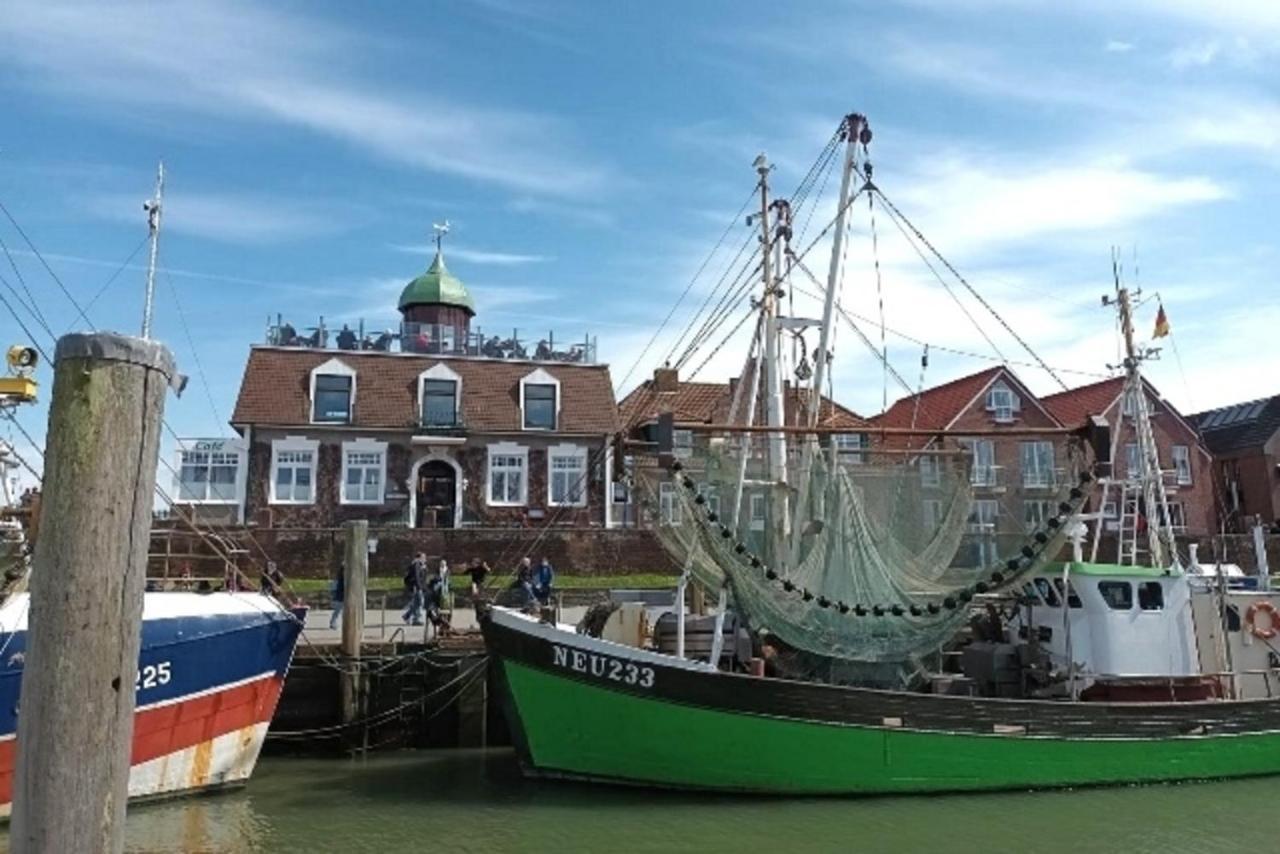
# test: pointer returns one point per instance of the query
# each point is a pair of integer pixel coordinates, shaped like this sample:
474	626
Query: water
477	802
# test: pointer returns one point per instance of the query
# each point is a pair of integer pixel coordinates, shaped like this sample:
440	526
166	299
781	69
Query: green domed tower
436	306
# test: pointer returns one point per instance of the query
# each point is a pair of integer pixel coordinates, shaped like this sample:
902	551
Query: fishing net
864	560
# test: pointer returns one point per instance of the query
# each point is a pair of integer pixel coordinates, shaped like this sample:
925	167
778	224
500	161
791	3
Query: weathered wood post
75	727
356	568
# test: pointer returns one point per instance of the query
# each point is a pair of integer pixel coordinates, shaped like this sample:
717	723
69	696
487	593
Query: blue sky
589	159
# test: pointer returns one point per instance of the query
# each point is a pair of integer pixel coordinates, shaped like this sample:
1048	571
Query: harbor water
476	801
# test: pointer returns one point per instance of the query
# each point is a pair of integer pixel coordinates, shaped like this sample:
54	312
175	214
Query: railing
1042	478
434	339
986	476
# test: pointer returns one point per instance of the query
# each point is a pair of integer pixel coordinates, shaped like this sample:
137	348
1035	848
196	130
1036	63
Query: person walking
337	595
479	571
543	576
415	583
434	597
524	582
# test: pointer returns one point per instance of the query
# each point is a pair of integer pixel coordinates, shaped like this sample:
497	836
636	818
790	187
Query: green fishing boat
860	644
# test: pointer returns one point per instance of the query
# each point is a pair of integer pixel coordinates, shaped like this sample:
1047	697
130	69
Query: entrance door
437	484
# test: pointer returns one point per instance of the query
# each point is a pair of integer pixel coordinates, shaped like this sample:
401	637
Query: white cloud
245	218
1195	54
1117	46
233	60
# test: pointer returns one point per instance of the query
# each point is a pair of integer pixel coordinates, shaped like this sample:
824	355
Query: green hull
577	729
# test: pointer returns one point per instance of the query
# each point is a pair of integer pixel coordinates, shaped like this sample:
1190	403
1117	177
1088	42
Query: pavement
384	626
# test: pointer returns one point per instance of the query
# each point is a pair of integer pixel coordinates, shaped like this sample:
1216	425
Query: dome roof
437	286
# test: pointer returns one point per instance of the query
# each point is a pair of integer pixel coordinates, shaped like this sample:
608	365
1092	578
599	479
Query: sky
589	160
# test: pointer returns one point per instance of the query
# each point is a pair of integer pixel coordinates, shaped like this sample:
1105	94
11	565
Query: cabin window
332	401
539	406
1045	589
1233	618
1117	594
439	403
1029	592
567	476
508	485
1073	599
1151	596
1182	464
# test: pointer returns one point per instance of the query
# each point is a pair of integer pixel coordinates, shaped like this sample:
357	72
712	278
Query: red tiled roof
938	406
276	390
1074	407
709	403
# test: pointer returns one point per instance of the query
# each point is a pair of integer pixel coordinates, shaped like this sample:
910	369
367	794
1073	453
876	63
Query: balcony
435	339
988	478
1042	479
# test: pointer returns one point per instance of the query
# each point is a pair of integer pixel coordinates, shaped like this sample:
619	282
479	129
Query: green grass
459	581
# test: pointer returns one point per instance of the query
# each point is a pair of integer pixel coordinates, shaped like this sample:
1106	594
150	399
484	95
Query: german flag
1162	324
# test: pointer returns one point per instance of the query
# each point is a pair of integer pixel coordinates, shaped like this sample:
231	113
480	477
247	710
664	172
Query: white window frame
364	446
1037	475
440	371
507	449
983	529
1181	455
982	474
1177	516
669	510
293	444
932	515
930	471
540	377
1132	460
758	511
682	444
335	368
210	447
1002	411
1043	511
565	451
850	447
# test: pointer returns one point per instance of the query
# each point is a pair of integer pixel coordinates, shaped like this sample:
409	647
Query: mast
1150	479
775	412
855	129
152	207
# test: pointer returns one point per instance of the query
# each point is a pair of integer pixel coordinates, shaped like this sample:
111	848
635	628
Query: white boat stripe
568	636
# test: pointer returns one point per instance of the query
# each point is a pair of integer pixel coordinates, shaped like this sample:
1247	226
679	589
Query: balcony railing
986	476
1047	479
435	339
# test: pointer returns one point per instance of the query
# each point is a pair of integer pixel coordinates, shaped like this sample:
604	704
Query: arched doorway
436	495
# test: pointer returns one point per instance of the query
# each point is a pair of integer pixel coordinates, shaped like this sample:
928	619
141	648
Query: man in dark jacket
415	584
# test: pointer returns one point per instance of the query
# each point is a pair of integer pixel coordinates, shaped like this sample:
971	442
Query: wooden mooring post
75	726
356	568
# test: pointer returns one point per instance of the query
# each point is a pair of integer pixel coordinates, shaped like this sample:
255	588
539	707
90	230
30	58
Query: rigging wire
744	282
123	266
35	309
44	263
1025	346
875	254
195	355
745	317
711	294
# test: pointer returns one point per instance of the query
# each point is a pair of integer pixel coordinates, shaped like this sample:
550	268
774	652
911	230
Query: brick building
1245	441
434	427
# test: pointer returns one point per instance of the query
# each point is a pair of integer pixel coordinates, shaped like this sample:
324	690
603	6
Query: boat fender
1273	620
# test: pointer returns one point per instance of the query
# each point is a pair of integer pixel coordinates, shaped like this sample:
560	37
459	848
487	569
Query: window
1150	596
364	469
1131	460
1177	516
508	485
293	469
983	470
1182	464
439	403
930	471
1002	403
1036	513
932	516
1037	465
1117	594
1127	407
540	400
668	507
567	476
1045	589
712	494
850	446
982	524
332	401
1073	600
207	475
682	444
758	512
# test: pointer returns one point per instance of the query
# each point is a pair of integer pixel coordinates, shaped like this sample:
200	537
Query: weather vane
441	229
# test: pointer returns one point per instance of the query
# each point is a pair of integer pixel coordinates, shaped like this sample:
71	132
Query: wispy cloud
1117	46
1195	54
239	61
475	256
573	213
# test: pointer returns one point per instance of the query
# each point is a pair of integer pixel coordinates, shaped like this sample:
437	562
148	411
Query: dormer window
540	401
1002	403
333	393
439	395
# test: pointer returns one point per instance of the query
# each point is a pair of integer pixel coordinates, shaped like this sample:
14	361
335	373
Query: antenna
153	207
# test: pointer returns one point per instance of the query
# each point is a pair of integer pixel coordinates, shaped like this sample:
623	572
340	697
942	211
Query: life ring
1273	620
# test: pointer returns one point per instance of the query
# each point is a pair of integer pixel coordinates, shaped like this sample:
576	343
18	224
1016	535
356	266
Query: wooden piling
75	727
356	569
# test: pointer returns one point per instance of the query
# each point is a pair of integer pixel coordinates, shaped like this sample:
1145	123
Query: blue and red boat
210	673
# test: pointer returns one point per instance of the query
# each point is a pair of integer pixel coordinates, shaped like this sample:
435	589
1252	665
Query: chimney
666	379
